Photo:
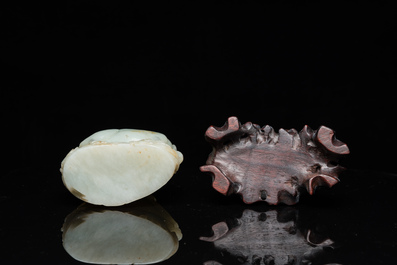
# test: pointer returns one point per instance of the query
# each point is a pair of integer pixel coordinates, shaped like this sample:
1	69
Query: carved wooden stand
263	165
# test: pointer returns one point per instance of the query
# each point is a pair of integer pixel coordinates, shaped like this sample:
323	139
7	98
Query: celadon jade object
115	167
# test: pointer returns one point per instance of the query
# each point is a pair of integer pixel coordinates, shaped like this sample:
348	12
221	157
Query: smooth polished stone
114	167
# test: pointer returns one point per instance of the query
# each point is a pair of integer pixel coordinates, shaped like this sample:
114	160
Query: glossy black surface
358	215
76	68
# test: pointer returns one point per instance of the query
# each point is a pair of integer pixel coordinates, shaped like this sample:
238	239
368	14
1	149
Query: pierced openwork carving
263	165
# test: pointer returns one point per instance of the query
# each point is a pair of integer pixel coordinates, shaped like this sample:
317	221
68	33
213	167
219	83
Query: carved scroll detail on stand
261	164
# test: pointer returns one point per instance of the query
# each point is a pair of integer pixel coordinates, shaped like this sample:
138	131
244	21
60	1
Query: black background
74	68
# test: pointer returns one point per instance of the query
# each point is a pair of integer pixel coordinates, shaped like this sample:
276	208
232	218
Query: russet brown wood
263	165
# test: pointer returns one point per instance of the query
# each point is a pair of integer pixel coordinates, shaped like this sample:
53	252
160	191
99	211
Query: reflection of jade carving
138	233
262	238
263	165
115	167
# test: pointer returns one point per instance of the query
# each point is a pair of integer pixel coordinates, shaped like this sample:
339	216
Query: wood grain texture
263	165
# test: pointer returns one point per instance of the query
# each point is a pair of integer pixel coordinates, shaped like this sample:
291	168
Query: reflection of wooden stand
263	165
272	237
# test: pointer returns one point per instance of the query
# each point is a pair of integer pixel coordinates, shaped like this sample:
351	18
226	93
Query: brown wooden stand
263	165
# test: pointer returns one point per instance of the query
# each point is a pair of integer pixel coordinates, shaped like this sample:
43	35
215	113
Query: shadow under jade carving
263	165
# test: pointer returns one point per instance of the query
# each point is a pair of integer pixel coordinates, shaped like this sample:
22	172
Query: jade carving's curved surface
114	167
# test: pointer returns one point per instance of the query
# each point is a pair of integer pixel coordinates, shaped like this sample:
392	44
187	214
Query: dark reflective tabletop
352	223
73	69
